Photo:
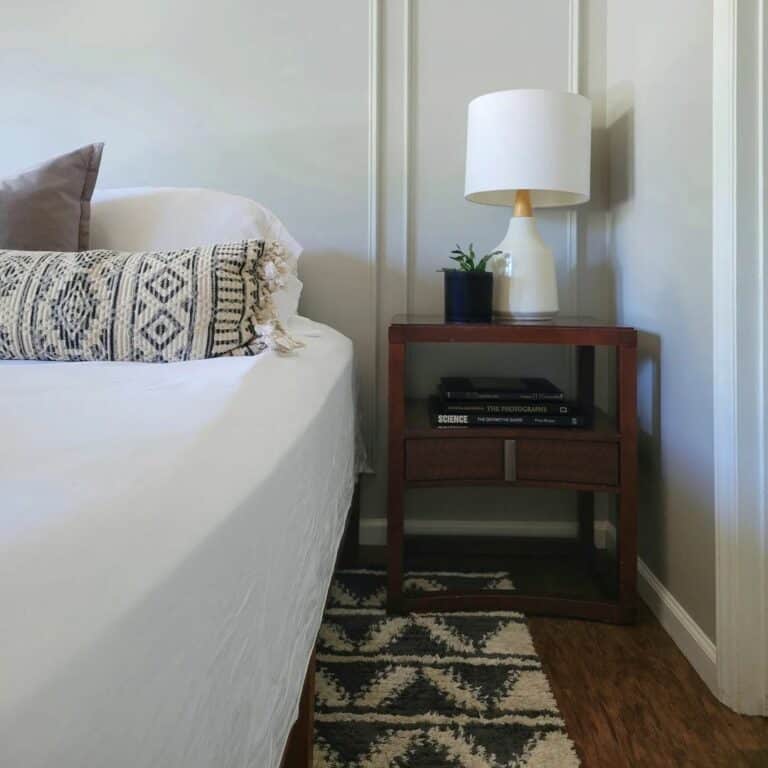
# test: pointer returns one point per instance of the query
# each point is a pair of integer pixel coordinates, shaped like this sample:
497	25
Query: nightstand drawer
496	460
563	461
455	459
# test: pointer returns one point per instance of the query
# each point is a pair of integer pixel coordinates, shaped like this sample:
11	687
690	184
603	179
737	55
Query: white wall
659	118
268	99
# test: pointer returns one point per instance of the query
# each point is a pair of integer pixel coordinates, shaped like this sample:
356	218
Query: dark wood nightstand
602	458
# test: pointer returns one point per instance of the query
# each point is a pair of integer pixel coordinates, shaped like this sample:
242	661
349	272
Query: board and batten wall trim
572	213
409	63
410	21
374	185
409	30
396	77
739	351
572	225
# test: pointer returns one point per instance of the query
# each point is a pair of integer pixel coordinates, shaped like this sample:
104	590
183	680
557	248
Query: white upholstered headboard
168	218
163	218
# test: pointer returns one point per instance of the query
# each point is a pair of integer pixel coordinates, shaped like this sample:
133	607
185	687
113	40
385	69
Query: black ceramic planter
468	296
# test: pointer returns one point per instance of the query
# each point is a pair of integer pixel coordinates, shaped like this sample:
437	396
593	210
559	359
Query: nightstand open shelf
601	458
549	575
417	424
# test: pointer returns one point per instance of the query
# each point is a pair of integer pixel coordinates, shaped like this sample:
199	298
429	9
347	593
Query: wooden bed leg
299	749
350	547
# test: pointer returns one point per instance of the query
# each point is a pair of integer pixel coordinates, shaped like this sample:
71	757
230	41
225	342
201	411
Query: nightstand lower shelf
551	576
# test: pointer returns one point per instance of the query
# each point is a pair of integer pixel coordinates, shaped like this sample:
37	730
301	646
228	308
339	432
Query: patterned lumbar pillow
149	307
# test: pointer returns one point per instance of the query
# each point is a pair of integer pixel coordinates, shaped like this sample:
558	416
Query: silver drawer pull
510	460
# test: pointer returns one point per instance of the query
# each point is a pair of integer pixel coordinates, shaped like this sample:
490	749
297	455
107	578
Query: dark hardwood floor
630	699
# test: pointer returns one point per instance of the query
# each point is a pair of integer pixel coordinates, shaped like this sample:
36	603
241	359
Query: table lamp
527	149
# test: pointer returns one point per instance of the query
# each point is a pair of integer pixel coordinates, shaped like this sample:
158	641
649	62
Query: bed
167	537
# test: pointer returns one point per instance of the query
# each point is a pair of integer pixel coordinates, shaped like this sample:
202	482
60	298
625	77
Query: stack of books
502	402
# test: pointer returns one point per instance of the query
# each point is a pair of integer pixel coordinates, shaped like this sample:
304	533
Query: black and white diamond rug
431	690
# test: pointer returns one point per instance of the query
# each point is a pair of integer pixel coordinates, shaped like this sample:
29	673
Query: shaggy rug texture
431	690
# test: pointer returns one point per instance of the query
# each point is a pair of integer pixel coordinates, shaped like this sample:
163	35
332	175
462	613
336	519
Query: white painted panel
436	57
463	49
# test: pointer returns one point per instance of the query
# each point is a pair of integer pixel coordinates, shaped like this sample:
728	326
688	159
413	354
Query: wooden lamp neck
522	207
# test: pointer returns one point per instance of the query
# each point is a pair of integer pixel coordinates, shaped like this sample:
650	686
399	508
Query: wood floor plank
630	698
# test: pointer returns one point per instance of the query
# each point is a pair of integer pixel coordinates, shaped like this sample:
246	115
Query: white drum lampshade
526	149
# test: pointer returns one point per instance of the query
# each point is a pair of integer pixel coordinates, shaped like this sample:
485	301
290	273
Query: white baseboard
676	621
689	637
373	530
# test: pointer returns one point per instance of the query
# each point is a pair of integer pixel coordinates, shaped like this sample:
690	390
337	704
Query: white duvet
167	535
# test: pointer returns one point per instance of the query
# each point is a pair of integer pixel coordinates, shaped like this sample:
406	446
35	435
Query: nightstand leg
585	372
626	550
396	478
586	505
585	365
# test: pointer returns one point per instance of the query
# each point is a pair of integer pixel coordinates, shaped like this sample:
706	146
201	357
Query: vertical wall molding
739	353
572	214
724	330
374	183
408	86
572	221
763	249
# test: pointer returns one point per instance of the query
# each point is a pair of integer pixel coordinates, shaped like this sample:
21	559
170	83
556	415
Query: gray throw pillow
48	208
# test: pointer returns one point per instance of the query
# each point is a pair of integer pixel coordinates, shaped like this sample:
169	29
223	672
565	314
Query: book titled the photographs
504	408
442	418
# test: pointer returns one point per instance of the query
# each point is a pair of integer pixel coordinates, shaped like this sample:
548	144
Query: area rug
431	690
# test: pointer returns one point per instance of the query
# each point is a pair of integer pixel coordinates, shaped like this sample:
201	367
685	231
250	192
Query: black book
510	408
441	418
512	390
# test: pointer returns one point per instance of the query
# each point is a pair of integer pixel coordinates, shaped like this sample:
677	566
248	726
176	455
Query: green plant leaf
484	261
469	261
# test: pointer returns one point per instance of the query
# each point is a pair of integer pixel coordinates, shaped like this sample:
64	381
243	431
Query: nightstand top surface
560	330
559	321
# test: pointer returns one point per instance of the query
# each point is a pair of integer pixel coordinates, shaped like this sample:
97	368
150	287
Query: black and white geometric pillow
162	307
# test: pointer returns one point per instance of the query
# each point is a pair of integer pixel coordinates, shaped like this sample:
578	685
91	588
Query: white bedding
167	535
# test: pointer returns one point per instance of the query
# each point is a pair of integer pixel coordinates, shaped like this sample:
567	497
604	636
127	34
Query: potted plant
469	287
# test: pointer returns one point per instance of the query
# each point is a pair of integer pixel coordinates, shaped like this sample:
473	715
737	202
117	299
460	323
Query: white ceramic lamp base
524	279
